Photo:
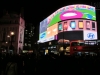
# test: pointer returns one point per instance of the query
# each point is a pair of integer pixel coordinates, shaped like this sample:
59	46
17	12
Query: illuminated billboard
77	24
90	35
52	30
48	33
73	18
77	29
43	26
72	12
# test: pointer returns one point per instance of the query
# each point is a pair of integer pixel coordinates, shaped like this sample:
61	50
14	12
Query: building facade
12	33
29	36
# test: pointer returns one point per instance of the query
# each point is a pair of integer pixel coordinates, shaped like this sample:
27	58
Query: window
25	44
29	45
29	35
25	32
16	21
25	37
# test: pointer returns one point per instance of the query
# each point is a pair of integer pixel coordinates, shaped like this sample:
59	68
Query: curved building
72	22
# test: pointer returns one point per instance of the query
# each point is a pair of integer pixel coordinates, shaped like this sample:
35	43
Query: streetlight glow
6	42
12	33
8	36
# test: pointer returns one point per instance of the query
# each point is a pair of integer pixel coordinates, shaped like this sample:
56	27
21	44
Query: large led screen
77	24
43	26
72	12
77	17
52	30
48	33
77	29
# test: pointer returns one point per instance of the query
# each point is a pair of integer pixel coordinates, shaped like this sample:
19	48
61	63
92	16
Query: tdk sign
90	35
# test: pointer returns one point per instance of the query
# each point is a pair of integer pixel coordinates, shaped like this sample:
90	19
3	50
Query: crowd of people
32	64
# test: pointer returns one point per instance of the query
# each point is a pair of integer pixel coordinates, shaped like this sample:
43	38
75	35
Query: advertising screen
88	25
80	24
77	24
93	26
48	33
78	29
42	35
47	39
73	18
73	24
90	35
60	27
52	30
79	11
43	26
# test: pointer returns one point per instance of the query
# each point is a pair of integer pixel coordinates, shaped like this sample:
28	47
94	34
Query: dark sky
36	10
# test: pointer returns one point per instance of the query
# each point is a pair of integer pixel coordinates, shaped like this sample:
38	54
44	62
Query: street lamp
12	33
11	37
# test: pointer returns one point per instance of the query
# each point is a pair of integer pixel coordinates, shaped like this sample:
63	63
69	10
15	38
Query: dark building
11	32
29	36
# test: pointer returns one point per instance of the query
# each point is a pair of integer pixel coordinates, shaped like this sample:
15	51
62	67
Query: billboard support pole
63	38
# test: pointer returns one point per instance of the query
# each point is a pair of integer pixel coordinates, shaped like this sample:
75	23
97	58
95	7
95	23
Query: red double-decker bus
83	47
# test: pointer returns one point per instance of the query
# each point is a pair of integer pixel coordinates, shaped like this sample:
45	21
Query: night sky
36	10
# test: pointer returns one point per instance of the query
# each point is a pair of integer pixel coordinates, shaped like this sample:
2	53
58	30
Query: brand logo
43	35
90	35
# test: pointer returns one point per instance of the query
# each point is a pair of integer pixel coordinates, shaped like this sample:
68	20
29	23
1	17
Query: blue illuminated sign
42	35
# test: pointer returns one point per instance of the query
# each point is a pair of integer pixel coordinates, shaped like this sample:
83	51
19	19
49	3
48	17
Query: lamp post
11	37
63	37
12	34
8	37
